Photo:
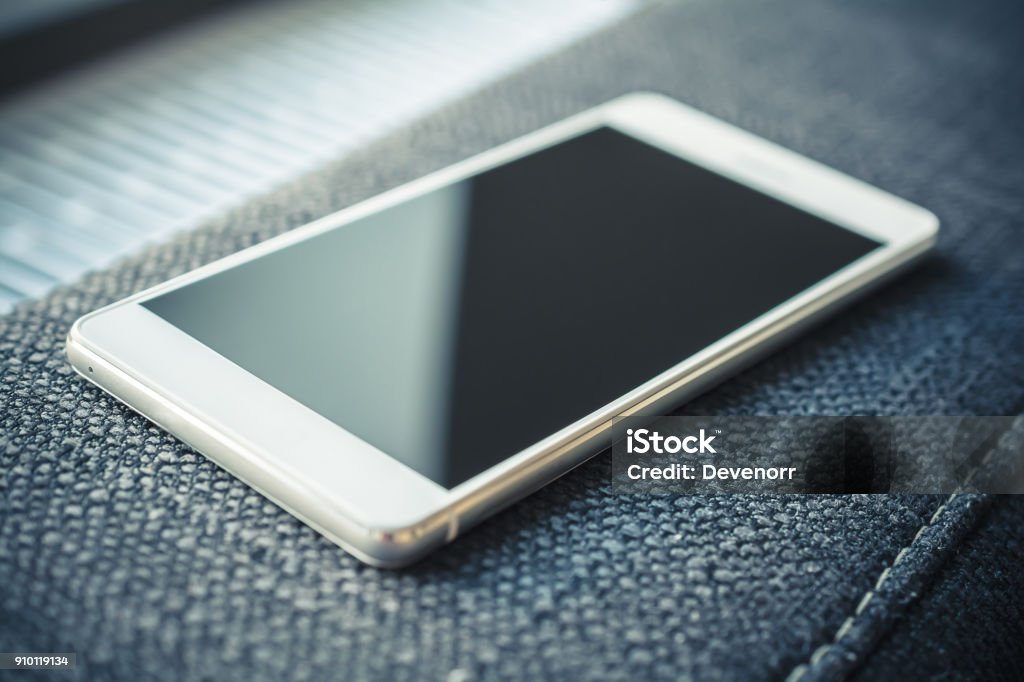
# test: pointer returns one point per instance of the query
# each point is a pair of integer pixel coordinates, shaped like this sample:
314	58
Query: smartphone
395	372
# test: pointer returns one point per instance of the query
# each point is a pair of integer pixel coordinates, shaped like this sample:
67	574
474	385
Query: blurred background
123	121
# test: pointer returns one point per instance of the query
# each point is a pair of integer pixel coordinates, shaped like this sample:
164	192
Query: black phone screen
457	328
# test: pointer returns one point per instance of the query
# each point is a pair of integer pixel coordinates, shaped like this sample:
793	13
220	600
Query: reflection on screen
458	328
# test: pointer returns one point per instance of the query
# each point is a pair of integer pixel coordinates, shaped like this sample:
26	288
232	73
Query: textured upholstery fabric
121	544
968	623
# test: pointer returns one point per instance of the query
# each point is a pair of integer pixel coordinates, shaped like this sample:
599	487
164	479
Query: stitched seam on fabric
802	669
799	671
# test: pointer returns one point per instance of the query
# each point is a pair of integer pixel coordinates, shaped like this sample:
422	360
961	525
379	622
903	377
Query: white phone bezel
366	501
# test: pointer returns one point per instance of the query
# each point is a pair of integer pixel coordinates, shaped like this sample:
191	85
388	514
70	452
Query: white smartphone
395	372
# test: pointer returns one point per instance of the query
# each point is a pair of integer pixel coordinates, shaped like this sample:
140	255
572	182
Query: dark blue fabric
967	621
119	543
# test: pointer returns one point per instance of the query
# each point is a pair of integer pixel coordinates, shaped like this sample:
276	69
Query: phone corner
645	97
76	333
923	234
930	224
397	546
74	344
